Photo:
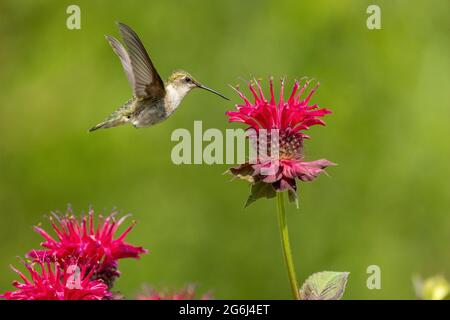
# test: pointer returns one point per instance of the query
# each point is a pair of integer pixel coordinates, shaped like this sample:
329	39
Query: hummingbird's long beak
211	90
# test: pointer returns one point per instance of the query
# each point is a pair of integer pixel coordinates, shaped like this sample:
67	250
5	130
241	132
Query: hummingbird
153	100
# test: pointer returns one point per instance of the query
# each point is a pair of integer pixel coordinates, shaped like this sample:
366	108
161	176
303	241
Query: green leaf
244	172
293	197
325	285
260	190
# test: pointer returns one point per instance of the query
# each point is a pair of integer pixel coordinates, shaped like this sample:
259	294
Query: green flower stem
286	245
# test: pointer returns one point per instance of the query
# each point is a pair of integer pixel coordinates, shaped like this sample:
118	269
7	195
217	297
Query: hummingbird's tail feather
109	124
117	118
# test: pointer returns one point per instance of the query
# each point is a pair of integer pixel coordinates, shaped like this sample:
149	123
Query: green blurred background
387	203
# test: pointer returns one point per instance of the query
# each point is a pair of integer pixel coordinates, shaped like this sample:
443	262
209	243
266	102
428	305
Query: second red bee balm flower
277	171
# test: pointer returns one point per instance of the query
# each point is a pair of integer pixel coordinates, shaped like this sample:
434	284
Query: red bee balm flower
278	126
93	246
51	283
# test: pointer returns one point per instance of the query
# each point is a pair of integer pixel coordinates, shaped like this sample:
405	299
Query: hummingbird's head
183	82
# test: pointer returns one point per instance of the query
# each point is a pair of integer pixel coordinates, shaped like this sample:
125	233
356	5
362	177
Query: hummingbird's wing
146	82
124	58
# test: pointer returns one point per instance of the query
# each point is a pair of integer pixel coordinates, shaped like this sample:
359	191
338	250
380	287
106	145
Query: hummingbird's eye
187	79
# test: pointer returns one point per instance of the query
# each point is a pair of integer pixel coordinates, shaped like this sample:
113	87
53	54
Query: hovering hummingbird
152	101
